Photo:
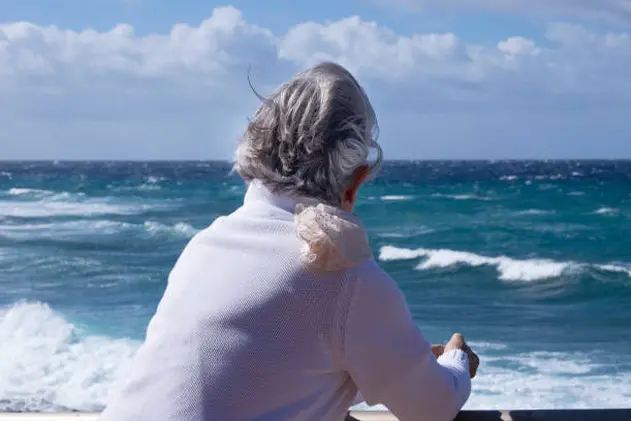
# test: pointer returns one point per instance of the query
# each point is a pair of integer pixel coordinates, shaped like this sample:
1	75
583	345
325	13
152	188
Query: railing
534	415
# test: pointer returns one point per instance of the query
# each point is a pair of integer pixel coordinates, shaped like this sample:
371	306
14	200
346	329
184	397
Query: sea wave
48	364
607	211
407	232
91	228
462	196
616	269
49	209
395	198
17	191
42	195
509	269
180	228
45	203
150	183
533	212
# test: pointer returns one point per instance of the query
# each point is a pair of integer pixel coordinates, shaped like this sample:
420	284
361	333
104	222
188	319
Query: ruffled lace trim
333	239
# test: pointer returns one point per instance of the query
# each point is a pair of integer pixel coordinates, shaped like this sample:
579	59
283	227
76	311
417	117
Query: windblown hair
310	135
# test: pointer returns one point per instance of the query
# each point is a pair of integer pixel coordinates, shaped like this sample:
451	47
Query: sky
449	79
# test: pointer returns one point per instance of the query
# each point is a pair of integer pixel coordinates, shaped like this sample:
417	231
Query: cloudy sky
164	79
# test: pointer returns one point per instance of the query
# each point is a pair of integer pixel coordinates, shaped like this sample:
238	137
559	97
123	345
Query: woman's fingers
438	350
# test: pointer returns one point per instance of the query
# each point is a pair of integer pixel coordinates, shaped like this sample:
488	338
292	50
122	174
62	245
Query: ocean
530	260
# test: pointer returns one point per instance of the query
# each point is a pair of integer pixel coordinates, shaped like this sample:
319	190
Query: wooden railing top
530	415
523	415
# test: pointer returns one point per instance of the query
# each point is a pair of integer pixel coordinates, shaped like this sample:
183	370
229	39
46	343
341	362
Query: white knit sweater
245	332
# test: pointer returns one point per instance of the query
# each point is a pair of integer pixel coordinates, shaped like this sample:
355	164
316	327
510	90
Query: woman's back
243	330
278	311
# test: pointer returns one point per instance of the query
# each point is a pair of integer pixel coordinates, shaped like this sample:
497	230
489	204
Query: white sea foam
616	269
547	381
509	269
43	195
87	227
17	191
47	364
63	229
181	228
152	179
534	212
461	196
31	209
607	211
67	204
407	233
395	198
146	186
544	380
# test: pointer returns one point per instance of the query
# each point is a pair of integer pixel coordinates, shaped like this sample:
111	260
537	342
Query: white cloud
611	10
184	94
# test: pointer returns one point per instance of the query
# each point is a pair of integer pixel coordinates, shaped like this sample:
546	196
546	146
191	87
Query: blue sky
158	79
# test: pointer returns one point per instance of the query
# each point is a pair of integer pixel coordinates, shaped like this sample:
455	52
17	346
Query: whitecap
534	212
58	208
19	191
180	228
615	269
407	233
58	230
509	269
461	196
91	228
395	198
140	187
154	180
148	187
607	211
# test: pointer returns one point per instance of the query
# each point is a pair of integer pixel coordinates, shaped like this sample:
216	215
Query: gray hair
310	135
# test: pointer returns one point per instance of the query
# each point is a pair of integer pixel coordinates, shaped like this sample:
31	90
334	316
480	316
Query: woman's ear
350	194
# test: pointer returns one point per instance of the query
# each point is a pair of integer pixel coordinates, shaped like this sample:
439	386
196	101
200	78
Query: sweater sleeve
391	362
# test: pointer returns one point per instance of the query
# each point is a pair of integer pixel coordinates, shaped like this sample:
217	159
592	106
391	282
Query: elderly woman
278	311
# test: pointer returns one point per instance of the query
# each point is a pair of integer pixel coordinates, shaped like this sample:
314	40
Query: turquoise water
531	260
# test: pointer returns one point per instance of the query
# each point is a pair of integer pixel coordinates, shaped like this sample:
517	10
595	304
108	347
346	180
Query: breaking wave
509	269
92	228
48	364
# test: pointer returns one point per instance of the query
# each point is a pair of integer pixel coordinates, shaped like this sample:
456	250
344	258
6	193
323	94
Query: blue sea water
531	260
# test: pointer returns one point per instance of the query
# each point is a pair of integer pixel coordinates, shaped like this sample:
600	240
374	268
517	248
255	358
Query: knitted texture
247	331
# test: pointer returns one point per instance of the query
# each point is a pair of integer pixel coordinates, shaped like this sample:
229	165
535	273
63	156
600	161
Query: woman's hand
457	342
438	350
